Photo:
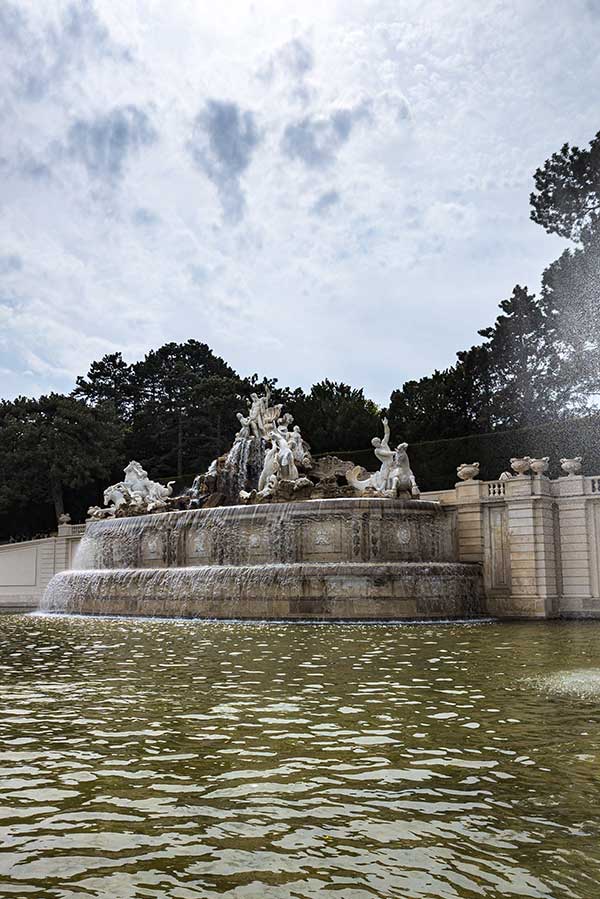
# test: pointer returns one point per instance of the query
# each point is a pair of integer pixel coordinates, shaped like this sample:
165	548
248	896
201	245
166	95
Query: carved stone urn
521	465
540	466
468	471
571	466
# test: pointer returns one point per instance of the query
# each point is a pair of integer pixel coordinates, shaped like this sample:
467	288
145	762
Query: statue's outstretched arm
386	432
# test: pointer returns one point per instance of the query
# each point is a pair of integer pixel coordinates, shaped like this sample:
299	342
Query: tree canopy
566	199
52	443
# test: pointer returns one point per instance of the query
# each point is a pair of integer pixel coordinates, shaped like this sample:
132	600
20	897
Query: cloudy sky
315	189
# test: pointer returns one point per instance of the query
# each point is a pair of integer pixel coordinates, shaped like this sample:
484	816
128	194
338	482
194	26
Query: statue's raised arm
386	433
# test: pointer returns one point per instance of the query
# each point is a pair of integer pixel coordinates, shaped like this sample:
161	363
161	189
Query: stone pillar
469	518
532	548
575	528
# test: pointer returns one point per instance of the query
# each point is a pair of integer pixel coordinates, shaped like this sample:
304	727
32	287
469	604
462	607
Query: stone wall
538	541
26	568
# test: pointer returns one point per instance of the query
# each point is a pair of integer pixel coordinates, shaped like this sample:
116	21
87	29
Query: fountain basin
322	591
333	530
344	559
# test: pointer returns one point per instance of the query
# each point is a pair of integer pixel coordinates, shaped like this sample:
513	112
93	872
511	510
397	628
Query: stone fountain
268	532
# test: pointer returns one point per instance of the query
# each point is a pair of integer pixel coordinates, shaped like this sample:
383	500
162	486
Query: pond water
186	759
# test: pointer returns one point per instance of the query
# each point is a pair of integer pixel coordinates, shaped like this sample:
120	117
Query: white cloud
373	160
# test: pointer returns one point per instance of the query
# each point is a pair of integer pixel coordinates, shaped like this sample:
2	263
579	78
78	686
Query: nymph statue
298	447
269	466
286	465
245	431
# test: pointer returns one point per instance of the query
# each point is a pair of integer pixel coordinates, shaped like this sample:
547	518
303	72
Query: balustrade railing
495	488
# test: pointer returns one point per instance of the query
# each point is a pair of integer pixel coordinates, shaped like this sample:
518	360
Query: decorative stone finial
540	466
571	466
521	465
467	471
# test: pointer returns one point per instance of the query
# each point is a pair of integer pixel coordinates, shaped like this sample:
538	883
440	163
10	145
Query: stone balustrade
537	539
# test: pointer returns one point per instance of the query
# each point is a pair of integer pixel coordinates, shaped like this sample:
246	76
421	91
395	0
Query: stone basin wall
347	530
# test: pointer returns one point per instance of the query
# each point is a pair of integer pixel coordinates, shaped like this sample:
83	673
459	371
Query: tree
566	199
177	404
571	290
52	443
420	409
567	202
110	380
335	416
527	384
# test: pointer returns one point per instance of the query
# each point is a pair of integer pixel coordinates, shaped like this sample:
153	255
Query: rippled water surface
184	759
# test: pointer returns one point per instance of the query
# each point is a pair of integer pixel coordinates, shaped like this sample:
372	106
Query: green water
182	759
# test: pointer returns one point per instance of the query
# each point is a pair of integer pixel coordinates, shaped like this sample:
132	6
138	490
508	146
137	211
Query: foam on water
581	683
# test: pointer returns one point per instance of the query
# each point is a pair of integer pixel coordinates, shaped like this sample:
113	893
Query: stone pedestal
532	547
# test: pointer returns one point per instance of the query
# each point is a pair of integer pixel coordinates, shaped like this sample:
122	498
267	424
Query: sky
314	189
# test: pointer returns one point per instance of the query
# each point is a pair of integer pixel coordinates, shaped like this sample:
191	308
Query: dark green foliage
526	382
567	202
566	199
517	377
110	380
54	443
335	416
571	289
178	404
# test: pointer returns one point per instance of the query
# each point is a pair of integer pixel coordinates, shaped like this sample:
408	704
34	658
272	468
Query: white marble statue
286	466
137	493
297	445
245	431
269	466
401	477
394	476
380	480
262	416
255	416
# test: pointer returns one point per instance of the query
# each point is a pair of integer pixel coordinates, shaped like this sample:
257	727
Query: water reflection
189	759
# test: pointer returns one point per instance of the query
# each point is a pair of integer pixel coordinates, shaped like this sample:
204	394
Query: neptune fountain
270	532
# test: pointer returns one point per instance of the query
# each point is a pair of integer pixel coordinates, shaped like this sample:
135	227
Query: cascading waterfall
242	468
